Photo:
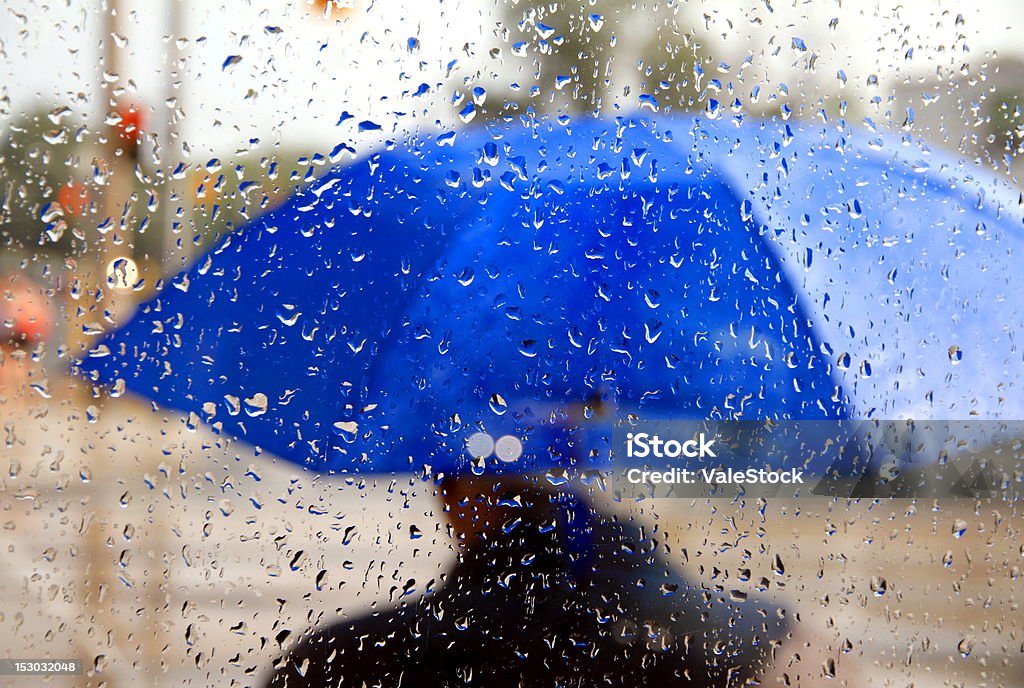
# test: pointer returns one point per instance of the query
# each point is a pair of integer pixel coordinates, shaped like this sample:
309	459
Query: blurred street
164	557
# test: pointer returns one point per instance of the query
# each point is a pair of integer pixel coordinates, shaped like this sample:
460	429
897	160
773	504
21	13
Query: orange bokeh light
332	9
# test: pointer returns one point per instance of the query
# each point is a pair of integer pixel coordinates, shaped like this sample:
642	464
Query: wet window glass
510	343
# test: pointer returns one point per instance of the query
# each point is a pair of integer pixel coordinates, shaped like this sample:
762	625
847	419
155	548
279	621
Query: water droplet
347	430
959	528
58	113
51	212
746	210
256	405
287	315
648	102
528	348
467	113
498	404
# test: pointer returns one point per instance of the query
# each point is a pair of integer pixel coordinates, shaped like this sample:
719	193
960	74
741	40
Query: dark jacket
523	610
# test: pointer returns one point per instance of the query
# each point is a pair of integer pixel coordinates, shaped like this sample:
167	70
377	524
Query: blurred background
134	134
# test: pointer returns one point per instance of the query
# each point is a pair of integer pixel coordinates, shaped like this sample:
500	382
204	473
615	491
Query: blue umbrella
496	291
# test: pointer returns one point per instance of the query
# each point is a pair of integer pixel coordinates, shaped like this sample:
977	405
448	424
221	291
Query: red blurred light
74	198
131	124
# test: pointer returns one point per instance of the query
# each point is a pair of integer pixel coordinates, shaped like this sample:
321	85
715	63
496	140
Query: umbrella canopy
506	286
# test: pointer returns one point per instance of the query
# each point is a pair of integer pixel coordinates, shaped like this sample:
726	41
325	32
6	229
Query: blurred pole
101	300
174	210
120	165
175	207
85	315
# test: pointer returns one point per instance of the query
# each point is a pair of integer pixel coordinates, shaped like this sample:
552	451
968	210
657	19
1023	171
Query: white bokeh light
480	445
508	448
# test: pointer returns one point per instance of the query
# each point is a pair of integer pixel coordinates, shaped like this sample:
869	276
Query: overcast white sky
293	82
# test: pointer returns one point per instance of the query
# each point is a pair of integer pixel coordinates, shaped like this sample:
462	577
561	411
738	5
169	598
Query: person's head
477	506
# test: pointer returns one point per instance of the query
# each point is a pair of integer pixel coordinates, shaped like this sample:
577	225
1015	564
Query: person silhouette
527	606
